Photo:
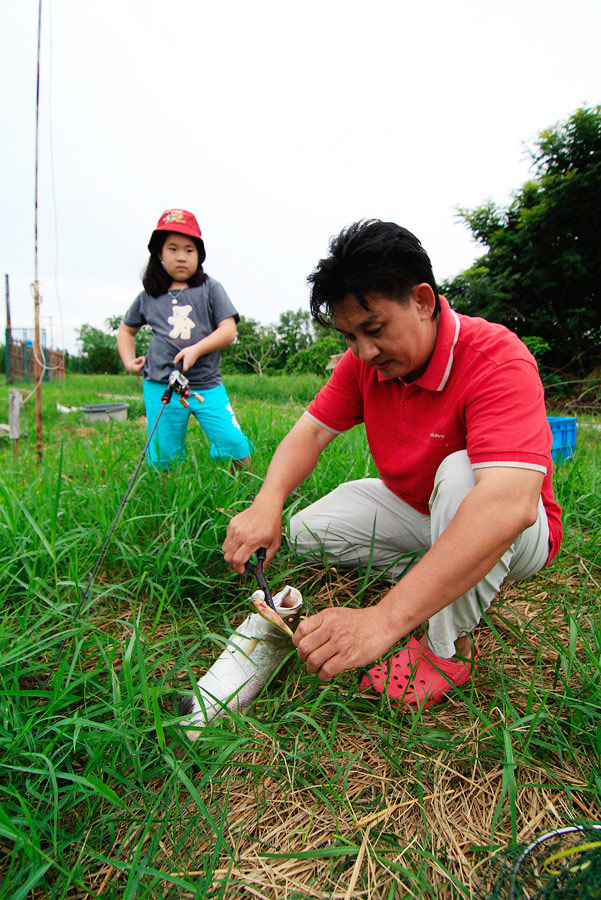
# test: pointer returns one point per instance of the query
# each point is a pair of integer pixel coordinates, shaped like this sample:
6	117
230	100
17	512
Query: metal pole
37	362
8	356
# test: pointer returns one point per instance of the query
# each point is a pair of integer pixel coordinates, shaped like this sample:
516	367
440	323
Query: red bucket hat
180	221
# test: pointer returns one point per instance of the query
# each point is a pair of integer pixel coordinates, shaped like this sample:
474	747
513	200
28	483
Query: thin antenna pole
37	361
8	349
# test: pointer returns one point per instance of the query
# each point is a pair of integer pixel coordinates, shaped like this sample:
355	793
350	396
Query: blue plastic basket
563	429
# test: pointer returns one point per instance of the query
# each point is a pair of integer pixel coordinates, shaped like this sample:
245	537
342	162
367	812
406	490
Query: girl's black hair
156	280
369	257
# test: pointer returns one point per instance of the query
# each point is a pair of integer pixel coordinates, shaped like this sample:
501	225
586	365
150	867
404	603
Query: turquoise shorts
214	415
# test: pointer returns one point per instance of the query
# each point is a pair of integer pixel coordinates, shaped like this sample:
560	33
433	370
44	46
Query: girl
191	318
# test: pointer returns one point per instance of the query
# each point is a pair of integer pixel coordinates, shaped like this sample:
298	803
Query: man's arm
261	524
503	503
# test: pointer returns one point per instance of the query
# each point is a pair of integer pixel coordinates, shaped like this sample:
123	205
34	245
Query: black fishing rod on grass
180	385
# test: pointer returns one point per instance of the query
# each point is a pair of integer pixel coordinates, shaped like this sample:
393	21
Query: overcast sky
276	123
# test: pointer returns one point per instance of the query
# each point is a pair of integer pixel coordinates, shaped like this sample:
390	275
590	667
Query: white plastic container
105	412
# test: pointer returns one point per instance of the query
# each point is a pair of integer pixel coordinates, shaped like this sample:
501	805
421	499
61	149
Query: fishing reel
179	384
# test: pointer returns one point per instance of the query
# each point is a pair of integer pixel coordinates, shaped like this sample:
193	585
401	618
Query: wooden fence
19	362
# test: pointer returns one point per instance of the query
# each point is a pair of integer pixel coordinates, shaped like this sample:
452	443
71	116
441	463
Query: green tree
316	357
99	351
541	274
142	337
254	350
294	332
294	344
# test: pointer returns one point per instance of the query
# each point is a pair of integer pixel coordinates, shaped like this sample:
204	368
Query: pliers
257	571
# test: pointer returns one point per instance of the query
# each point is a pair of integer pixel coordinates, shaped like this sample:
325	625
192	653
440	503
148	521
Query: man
455	419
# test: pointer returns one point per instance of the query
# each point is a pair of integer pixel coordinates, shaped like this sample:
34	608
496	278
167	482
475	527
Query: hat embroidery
173	215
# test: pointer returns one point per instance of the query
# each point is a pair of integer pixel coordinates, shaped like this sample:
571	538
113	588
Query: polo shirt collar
439	368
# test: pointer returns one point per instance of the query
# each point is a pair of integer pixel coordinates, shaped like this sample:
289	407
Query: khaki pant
362	521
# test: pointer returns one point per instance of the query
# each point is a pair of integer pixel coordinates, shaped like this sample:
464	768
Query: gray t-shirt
178	319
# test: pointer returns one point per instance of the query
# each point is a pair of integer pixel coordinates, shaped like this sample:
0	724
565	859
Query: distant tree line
541	273
294	344
99	354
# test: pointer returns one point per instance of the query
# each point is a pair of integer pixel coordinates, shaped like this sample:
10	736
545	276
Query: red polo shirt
481	392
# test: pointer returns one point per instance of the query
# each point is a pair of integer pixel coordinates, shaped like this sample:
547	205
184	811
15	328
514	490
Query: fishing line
556	832
179	384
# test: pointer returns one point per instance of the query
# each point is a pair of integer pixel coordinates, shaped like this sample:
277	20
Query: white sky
276	123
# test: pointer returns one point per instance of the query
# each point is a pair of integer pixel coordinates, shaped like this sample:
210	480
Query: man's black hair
369	257
156	280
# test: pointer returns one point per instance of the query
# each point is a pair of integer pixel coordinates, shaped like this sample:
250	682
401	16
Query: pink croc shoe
415	676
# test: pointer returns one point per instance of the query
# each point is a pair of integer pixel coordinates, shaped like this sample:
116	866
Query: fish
251	655
270	615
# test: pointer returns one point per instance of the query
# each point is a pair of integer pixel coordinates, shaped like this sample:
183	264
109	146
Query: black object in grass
563	864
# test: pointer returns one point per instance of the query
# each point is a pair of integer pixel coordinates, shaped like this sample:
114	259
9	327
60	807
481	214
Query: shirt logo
182	323
434	435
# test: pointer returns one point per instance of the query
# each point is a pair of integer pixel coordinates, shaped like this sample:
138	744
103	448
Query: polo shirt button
403	424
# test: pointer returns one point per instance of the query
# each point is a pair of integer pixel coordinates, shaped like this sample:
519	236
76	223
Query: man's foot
464	647
415	676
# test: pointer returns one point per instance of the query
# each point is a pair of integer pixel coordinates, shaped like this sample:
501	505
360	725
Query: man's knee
302	536
454	475
295	528
453	482
317	536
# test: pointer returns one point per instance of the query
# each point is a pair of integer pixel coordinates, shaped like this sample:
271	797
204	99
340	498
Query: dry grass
355	812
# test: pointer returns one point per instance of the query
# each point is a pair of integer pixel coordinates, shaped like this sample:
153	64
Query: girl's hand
188	355
135	366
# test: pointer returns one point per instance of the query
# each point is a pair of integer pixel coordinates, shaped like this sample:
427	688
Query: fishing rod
178	384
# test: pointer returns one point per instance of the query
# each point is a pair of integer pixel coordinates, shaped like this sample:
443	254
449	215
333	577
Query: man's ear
425	299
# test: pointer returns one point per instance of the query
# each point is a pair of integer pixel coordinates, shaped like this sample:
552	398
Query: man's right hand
255	527
261	524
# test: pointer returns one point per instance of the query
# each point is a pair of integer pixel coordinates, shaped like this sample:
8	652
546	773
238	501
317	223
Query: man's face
395	338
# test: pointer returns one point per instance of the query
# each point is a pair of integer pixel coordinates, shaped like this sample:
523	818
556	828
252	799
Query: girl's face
179	256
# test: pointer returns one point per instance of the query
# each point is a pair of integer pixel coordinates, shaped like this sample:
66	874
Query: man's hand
255	527
340	638
261	524
135	366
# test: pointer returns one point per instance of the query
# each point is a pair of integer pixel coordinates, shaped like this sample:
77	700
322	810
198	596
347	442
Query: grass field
317	792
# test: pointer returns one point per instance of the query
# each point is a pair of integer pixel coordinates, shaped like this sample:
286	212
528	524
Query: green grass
317	791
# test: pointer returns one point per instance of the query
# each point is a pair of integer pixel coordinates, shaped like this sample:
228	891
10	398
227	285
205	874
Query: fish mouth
270	615
287	603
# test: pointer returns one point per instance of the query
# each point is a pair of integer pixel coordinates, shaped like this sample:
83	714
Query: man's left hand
339	638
